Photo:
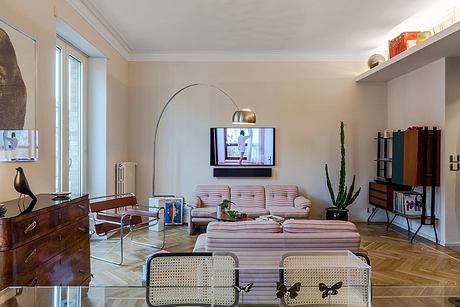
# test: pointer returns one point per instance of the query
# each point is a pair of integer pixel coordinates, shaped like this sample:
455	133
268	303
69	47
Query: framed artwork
18	82
174	207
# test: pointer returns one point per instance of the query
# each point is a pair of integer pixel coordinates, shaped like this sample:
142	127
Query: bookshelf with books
415	162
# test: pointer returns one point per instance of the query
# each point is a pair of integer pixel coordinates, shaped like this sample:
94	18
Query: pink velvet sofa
254	200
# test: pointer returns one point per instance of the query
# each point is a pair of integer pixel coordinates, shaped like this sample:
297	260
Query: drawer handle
82	229
33	253
82	207
31	227
82	271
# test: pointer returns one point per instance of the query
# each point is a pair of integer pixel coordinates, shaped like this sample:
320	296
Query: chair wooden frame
104	211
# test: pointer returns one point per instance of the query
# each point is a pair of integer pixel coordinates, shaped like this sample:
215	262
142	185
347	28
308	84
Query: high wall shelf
440	45
415	163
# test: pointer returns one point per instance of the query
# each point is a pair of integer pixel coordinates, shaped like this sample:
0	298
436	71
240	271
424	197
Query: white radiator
125	177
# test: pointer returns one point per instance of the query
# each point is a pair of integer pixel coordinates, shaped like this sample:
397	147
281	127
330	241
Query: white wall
418	99
304	101
39	19
452	147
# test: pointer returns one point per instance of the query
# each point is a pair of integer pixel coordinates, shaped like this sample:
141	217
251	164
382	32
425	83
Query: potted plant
222	207
345	196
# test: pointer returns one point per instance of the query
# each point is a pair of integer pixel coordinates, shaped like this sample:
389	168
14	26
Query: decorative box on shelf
402	42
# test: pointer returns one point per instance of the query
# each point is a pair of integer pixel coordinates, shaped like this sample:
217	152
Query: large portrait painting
18	135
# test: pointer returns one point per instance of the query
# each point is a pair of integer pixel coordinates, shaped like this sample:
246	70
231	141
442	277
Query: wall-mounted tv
242	146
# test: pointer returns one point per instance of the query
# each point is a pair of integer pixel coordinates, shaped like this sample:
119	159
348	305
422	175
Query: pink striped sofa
269	240
254	200
292	235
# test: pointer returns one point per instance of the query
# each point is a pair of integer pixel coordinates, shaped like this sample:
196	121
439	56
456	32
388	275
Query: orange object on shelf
402	43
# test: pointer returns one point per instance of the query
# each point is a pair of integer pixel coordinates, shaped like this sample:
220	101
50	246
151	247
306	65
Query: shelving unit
442	44
421	161
382	158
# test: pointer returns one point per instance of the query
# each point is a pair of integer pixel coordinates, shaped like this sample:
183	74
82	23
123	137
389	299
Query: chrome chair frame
125	222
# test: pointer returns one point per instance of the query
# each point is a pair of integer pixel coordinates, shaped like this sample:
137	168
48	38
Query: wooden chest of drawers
48	246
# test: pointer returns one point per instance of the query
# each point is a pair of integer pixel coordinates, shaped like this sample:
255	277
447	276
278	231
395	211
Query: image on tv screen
242	146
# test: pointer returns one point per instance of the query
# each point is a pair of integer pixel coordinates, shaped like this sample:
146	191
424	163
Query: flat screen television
242	146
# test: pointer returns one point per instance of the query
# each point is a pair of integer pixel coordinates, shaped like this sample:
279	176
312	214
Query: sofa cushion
280	195
203	212
310	226
252	241
289	212
200	244
251	211
244	226
248	196
212	195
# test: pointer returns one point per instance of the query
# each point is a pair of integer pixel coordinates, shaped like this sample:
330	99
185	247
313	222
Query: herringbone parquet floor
394	260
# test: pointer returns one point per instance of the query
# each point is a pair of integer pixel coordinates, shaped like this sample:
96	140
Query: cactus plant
345	196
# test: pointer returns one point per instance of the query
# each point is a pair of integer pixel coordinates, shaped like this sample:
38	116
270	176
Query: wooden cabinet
381	194
48	246
416	149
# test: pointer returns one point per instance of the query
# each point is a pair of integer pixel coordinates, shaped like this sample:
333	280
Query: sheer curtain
255	147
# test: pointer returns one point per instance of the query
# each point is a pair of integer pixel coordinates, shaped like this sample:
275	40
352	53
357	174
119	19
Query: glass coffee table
227	218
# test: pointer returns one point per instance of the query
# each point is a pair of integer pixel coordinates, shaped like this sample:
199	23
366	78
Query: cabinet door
398	158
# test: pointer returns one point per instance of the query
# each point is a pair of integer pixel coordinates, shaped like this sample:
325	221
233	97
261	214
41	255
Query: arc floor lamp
240	117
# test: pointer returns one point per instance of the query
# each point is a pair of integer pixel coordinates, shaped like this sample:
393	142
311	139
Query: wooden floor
395	261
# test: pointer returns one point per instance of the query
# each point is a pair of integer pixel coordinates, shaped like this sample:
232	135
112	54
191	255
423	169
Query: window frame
67	50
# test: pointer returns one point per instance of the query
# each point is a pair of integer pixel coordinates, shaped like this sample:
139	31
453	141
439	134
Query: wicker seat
119	212
183	279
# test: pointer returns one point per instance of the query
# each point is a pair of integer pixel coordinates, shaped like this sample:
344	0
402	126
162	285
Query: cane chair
325	278
122	213
192	279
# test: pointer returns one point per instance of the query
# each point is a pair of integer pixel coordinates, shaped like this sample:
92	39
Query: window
231	143
70	118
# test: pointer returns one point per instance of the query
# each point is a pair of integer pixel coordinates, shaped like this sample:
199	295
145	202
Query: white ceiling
246	29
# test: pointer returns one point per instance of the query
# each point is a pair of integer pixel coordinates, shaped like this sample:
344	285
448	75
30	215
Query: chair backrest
248	196
328	268
112	202
280	195
212	195
192	279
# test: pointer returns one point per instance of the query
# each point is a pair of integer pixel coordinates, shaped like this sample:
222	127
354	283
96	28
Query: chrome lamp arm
241	116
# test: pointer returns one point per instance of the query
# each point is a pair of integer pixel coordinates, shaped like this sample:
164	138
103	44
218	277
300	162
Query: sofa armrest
302	202
194	202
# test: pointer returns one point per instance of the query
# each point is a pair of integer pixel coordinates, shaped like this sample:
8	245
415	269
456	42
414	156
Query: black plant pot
332	213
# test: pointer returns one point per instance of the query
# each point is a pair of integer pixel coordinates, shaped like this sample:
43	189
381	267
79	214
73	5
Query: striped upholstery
280	195
219	241
311	226
248	196
212	195
289	212
245	227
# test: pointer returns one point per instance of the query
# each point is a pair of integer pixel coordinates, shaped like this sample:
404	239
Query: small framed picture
174	207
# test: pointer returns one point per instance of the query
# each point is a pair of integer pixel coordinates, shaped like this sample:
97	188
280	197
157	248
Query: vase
332	213
220	212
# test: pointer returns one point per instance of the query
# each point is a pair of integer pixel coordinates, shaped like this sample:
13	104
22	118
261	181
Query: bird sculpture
22	187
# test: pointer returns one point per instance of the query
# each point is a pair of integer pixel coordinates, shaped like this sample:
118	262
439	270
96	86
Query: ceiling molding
100	24
239	57
96	19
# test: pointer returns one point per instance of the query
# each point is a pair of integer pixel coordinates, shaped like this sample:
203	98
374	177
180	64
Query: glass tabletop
420	296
